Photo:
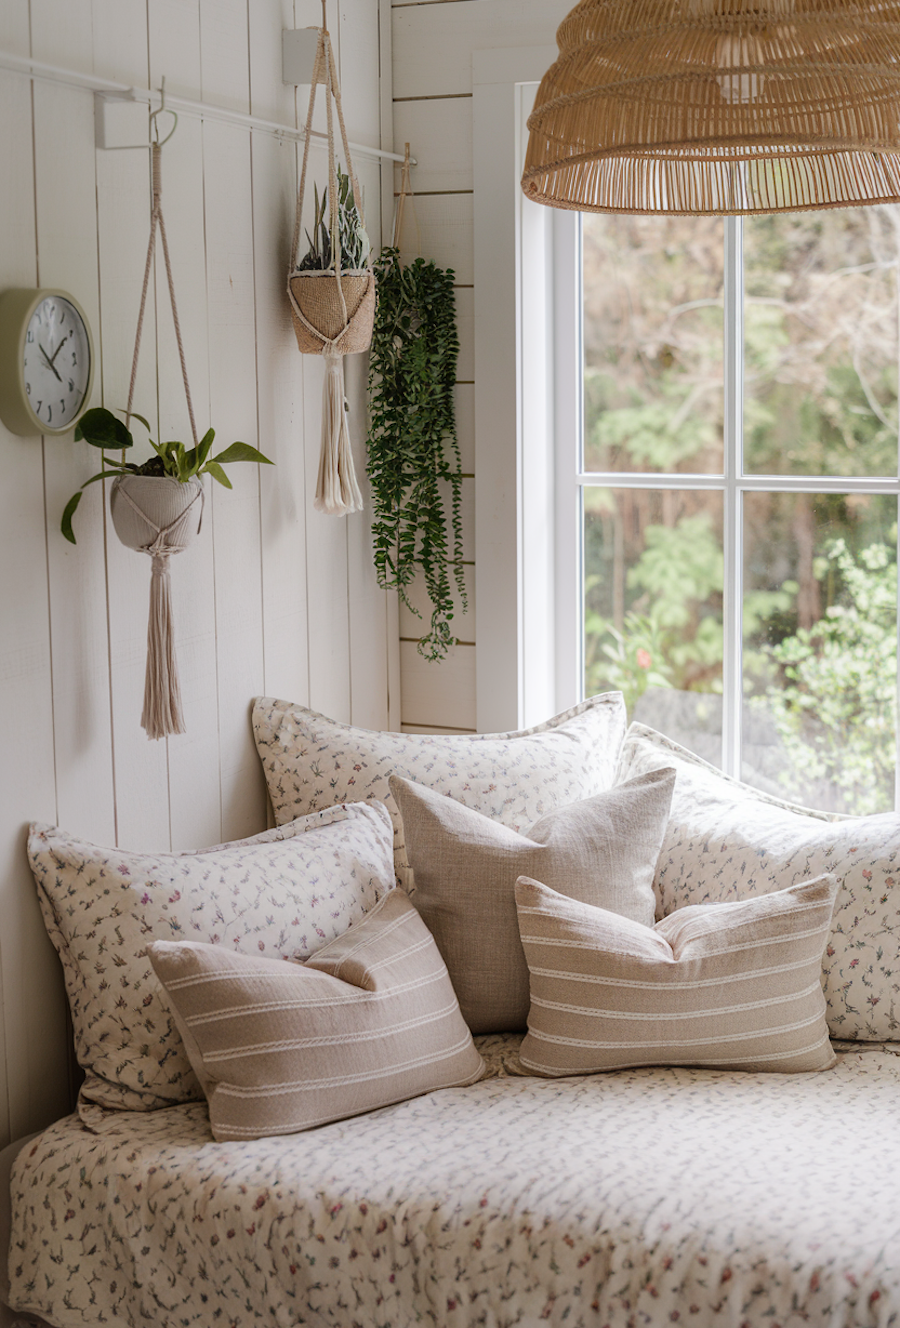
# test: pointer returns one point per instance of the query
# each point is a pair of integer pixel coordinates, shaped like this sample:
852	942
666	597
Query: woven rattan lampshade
719	106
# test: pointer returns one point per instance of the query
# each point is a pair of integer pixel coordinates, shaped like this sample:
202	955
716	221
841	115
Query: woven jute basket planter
317	297
158	503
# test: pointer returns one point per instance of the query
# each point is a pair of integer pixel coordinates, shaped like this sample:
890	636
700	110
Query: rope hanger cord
406	192
162	713
157	221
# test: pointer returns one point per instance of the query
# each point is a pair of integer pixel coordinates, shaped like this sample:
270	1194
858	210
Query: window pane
820	648
653	608
653	338
821	342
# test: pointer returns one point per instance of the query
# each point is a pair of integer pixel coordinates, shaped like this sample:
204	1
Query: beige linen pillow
728	986
282	893
726	840
311	762
279	1047
602	850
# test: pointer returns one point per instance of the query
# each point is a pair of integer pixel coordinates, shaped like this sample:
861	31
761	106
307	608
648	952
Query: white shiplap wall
273	597
433	46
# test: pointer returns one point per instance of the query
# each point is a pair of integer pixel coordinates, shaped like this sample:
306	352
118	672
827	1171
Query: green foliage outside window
821	398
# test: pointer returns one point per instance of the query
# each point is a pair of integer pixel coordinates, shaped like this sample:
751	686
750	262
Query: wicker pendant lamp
719	106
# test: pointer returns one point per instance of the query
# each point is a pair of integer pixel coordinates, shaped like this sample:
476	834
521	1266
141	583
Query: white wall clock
46	361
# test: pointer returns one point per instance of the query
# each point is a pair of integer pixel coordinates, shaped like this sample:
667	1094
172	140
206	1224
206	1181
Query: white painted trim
567	360
500	684
733	527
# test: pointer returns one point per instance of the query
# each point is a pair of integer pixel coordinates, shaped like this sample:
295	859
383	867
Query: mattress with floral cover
654	1196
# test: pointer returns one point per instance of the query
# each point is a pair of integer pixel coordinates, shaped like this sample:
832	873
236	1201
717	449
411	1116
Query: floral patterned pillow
313	762
282	894
725	841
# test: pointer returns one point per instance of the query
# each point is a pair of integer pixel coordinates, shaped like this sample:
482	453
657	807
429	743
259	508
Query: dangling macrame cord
162	714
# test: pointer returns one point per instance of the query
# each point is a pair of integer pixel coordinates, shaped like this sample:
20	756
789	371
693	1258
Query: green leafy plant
351	233
100	428
413	450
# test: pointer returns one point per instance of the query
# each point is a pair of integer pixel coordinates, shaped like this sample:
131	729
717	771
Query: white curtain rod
17	64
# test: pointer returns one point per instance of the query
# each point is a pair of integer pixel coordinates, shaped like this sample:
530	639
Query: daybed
645	1194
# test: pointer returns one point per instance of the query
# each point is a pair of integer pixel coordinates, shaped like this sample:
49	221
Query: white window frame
529	564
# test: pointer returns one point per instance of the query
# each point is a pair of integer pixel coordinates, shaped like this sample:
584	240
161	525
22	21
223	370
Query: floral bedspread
640	1197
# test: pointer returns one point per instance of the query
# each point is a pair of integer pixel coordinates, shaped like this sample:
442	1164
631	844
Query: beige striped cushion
731	986
279	1047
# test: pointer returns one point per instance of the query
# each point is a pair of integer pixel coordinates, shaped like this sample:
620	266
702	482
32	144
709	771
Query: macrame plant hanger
332	312
161	516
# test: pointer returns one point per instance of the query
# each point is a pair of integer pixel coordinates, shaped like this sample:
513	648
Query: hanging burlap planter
333	311
319	318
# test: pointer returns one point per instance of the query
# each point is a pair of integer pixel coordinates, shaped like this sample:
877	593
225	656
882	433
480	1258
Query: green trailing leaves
414	461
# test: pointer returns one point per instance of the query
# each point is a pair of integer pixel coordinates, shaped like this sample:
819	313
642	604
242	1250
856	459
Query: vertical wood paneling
231	333
66	229
279	372
368	604
194	757
270	597
433	48
236	532
123	183
31	990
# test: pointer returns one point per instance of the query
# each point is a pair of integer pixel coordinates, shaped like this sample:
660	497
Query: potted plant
331	288
164	486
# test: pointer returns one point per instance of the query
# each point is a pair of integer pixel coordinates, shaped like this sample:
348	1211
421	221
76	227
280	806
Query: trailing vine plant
412	444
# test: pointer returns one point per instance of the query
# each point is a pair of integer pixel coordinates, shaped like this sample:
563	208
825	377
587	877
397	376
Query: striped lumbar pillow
729	986
279	1047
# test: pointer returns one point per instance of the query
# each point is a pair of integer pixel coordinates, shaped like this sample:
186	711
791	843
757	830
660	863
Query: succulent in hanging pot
328	316
167	482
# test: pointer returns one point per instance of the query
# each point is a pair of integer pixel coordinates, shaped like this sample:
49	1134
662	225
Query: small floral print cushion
312	762
282	894
726	841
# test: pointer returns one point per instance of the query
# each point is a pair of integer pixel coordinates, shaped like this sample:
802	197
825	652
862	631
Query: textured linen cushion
283	893
311	762
726	840
279	1047
730	986
602	850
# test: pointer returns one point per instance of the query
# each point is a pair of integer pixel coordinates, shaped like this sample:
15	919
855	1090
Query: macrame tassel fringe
162	694
337	491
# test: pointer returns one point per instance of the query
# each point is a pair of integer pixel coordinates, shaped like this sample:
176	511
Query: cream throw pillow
602	850
279	1047
282	893
311	762
728	986
727	841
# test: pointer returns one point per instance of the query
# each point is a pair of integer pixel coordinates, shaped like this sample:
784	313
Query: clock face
57	362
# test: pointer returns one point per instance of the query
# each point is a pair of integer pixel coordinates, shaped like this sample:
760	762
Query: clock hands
50	358
48	361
